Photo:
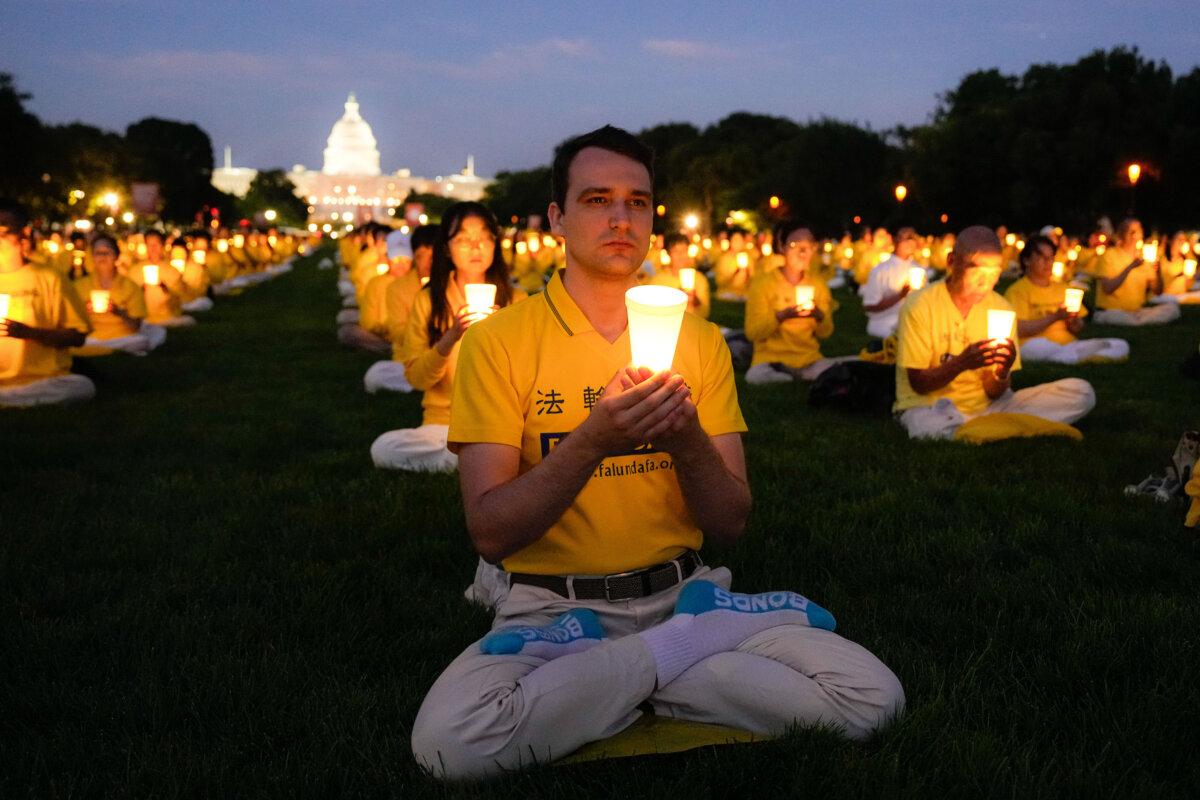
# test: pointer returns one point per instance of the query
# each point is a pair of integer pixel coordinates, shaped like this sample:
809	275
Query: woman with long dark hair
467	253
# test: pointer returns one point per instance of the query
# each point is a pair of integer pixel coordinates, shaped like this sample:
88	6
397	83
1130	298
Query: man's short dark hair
613	139
785	229
425	236
673	239
13	215
154	233
1032	246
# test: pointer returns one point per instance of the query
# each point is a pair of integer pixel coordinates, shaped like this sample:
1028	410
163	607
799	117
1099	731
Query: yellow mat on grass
652	735
994	427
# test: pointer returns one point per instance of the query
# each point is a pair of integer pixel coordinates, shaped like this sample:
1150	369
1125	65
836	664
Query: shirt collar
566	313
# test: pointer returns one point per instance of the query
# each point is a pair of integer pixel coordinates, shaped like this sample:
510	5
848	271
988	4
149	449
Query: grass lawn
206	589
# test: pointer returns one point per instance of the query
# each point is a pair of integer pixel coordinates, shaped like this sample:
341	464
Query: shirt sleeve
915	347
424	366
717	406
71	312
872	290
486	406
760	317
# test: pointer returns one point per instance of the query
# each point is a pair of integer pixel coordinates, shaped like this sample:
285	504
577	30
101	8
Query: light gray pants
1150	315
48	391
1067	400
487	714
1042	349
765	373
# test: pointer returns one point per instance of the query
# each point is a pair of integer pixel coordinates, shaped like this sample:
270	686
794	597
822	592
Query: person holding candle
370	331
41	318
951	368
194	292
1124	279
116	306
164	293
785	332
889	283
679	268
1047	327
467	253
735	269
1177	271
398	302
595	482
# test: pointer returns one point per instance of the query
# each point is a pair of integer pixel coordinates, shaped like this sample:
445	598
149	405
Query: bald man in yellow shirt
594	482
949	369
41	318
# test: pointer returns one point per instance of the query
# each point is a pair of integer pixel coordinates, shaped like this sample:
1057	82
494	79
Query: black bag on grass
859	387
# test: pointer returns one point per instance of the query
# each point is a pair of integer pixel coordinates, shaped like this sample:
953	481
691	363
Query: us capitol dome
351	188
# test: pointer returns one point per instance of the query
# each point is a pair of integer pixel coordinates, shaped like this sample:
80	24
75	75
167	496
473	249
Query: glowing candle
1189	268
926	252
200	257
1100	249
1150	252
655	315
1010	239
1057	270
1073	301
706	244
100	300
805	298
882	257
916	277
222	245
664	257
535	244
693	250
506	243
743	260
766	249
424	279
178	264
271	240
848	252
52	247
548	241
150	274
239	240
5	302
381	269
1000	323
687	279
522	248
481	297
1185	248
1072	255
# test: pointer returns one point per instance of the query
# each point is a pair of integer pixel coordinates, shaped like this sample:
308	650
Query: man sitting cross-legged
41	318
949	370
595	483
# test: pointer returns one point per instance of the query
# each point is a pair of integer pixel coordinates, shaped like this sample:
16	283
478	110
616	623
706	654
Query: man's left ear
554	214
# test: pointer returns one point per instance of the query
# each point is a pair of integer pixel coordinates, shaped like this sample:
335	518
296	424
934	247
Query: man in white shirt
888	284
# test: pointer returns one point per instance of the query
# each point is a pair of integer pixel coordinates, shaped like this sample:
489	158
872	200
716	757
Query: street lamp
1134	171
270	214
901	192
691	222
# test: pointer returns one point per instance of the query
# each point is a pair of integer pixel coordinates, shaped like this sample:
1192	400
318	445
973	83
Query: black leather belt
618	586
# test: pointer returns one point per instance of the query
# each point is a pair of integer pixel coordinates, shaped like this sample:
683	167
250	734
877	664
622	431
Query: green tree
272	189
178	157
519	194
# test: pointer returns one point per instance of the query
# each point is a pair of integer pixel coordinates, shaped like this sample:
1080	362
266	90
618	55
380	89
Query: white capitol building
350	186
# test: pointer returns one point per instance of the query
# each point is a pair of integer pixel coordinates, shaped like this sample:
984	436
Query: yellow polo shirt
793	342
164	301
530	374
731	277
1174	281
41	298
1130	295
124	294
373	311
398	300
426	369
931	331
1032	302
667	277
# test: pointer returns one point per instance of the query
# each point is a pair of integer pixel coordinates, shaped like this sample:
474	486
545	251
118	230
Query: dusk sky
437	81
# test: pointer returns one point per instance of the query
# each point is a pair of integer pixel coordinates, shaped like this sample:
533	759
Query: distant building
233	180
350	186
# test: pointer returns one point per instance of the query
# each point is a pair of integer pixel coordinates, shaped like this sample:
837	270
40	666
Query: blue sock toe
565	633
700	597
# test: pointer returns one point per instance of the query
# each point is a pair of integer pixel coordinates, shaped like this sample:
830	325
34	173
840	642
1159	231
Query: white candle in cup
424	279
1073	300
916	277
1057	270
381	269
1189	268
100	299
481	297
1150	253
805	297
655	316
150	274
1000	323
687	279
5	302
200	256
743	260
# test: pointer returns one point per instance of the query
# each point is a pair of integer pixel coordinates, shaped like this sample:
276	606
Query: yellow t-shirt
729	273
124	294
1130	295
40	298
164	301
373	311
398	299
665	277
426	369
794	342
530	374
1174	281
931	331
1033	302
195	281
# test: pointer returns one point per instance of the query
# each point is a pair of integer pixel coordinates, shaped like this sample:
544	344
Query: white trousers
490	586
354	335
882	328
345	287
487	714
1042	349
325	263
1186	298
348	315
48	391
1066	400
420	449
764	373
199	304
1150	315
183	321
386	376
